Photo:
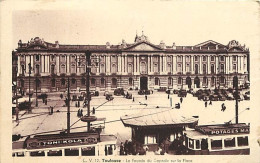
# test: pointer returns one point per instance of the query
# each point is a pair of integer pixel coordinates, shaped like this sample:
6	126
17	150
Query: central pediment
143	46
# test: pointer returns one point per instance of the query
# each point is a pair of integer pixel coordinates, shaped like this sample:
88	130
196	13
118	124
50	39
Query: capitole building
139	65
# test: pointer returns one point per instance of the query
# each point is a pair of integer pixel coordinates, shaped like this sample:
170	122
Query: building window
130	81
72	152
143	68
63	58
113	59
169	58
196	58
205	80
53	82
93	82
73	58
88	151
102	58
169	67
114	83
52	69
73	81
187	67
234	58
234	67
156	81
93	69
229	142
204	58
204	68
222	68
155	67
103	82
37	58
52	58
196	69
179	68
242	141
212	68
212	80
216	144
82	69
114	68
187	58
54	153
191	143
130	58
130	68
37	69
73	68
212	58
155	58
179	80
83	81
222	79
63	82
222	58
62	69
179	59
169	81
150	139
102	68
22	58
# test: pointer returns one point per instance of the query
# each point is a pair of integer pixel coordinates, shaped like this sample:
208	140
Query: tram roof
158	118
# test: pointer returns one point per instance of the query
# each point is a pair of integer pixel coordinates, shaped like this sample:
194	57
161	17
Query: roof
160	117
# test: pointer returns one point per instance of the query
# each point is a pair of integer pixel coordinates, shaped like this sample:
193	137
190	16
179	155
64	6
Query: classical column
138	67
31	58
18	65
208	58
119	63
192	64
126	63
217	68
160	64
174	64
67	64
48	64
183	64
108	64
148	64
134	65
165	63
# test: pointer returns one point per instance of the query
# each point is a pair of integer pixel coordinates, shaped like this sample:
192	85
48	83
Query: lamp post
68	107
37	82
16	99
30	69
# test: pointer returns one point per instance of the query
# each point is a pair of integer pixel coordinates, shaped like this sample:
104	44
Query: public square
40	121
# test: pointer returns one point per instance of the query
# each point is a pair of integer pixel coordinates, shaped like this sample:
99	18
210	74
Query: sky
185	23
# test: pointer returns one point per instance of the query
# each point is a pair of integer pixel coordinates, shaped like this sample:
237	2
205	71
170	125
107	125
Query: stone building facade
140	65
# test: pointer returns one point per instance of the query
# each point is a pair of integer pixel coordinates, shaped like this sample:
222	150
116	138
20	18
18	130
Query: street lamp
30	69
37	83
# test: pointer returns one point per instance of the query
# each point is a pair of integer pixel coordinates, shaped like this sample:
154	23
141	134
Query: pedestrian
210	102
78	103
78	115
168	96
126	147
223	107
105	150
46	101
145	97
206	103
152	91
51	109
61	96
93	111
133	99
81	112
181	99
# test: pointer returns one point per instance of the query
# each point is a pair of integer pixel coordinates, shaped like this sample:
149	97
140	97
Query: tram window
54	153
216	144
197	144
37	153
191	143
229	142
242	141
20	154
109	150
150	139
72	152
88	151
204	144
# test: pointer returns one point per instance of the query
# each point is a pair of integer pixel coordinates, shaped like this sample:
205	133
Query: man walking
206	103
181	99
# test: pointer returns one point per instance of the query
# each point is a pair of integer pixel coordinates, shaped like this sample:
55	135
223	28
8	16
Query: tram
220	139
73	144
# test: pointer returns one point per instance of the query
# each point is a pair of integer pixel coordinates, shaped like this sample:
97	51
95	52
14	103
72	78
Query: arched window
83	81
52	69
63	82
212	58
37	58
114	83
212	68
187	67
204	68
156	81
114	68
52	58
222	79
73	68
73	81
93	69
73	58
37	69
179	80
130	81
53	82
130	68
62	68
143	68
222	58
179	68
204	58
234	67
169	81
196	69
196	58
102	68
93	82
102	82
222	68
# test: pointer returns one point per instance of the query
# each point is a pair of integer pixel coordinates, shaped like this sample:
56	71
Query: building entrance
143	83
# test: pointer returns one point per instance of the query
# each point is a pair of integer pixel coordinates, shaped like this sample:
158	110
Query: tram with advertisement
73	144
222	139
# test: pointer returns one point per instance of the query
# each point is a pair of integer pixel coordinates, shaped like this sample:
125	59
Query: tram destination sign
229	131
